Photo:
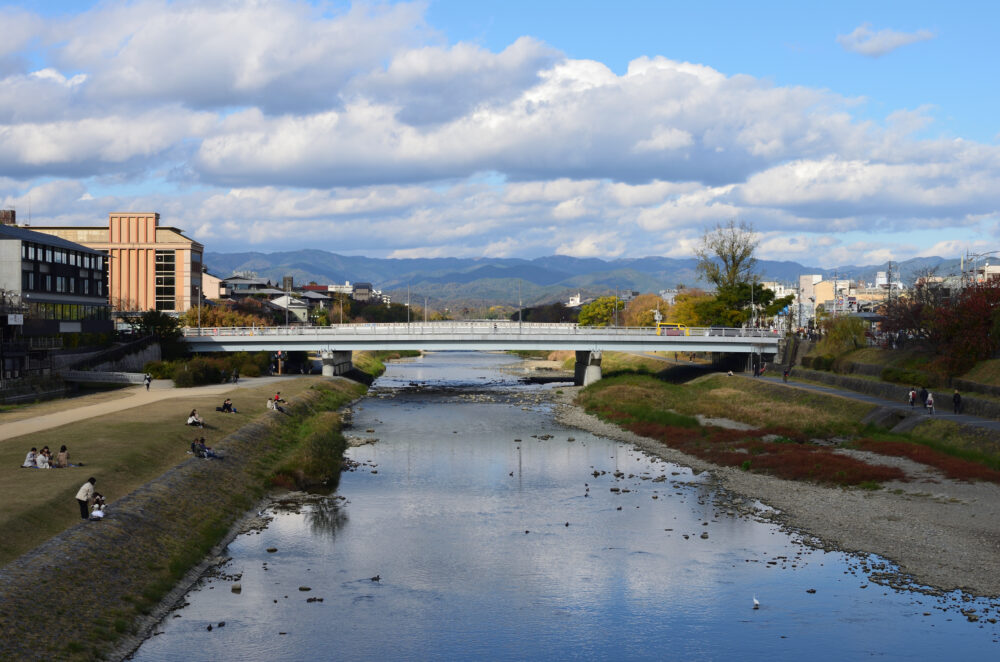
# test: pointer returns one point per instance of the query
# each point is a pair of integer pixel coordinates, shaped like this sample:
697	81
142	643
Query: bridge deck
476	336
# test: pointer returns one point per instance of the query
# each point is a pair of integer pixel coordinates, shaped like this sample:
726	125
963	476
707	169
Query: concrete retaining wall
897	393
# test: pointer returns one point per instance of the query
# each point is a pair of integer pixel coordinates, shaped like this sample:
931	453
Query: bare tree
726	254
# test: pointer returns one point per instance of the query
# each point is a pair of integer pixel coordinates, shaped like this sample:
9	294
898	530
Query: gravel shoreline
943	534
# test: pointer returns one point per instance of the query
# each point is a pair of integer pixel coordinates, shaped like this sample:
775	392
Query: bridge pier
587	369
335	363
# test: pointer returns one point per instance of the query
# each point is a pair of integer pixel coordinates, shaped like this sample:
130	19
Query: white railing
477	328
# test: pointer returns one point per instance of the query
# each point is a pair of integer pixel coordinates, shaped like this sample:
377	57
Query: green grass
664	411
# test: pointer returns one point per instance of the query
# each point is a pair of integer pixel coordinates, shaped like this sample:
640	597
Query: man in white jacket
84	495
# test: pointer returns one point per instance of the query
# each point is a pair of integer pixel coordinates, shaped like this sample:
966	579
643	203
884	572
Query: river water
493	540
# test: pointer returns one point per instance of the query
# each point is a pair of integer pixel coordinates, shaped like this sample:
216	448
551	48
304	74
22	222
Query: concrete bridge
336	342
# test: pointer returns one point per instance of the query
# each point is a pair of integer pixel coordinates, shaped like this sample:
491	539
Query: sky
845	134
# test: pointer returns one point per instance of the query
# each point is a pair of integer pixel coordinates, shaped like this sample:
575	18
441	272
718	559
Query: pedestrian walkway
136	396
943	413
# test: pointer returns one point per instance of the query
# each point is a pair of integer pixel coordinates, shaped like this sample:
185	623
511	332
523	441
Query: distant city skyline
847	134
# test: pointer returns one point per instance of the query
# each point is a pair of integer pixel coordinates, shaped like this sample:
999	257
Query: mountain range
490	281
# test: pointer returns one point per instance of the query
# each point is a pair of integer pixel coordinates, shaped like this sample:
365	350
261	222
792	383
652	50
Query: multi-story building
152	267
49	287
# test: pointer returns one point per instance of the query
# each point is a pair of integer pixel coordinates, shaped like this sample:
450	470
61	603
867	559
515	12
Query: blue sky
846	133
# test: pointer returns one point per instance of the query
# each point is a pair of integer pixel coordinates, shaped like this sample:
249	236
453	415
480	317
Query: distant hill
481	281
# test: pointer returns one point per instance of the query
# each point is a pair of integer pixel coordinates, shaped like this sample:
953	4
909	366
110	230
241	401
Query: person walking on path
84	495
929	403
923	395
913	396
956	400
147	379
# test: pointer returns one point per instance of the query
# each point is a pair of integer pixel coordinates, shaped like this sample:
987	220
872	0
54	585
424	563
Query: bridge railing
470	328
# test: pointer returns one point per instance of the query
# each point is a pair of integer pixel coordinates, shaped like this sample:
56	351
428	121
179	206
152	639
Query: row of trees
959	327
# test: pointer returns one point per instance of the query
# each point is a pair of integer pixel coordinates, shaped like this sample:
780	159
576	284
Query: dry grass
123	451
755	403
663	411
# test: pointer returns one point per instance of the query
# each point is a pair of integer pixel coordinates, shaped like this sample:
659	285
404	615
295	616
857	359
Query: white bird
756	602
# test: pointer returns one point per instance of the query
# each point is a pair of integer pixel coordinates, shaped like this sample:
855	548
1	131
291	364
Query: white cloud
865	41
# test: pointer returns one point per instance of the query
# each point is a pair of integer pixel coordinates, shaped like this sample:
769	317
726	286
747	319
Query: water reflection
326	517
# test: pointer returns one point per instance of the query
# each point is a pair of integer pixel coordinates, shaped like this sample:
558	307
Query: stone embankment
77	594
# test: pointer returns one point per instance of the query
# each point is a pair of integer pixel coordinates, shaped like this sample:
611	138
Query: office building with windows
151	267
59	286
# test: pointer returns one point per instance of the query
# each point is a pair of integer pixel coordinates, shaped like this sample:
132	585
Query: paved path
944	412
161	389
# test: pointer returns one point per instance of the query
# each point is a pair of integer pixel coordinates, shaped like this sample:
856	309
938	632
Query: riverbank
943	533
76	595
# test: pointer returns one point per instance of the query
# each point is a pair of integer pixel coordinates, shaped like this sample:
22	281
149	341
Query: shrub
910	377
249	370
159	369
198	372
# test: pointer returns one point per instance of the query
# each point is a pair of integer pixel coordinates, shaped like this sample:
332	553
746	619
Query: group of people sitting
42	459
227	407
199	449
275	403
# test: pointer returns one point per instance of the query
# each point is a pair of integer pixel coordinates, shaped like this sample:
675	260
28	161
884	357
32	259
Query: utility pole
197	288
519	305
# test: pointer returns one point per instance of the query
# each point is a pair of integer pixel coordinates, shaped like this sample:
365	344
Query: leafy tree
684	310
600	312
640	310
967	327
842	334
166	329
726	254
736	305
230	313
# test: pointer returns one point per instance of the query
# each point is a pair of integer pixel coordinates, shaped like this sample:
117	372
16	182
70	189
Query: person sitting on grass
273	404
227	407
42	459
278	398
195	419
29	459
206	451
97	510
62	458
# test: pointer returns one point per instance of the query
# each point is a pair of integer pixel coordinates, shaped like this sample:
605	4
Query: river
492	539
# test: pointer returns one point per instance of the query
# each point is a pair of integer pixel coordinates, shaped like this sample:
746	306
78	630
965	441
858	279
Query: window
72	286
48	283
28	280
166	280
100	288
60	284
31	251
86	286
48	254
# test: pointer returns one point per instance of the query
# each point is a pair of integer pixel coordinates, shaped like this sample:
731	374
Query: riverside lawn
123	450
787	423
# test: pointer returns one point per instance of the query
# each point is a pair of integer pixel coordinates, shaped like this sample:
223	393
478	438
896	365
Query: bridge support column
587	369
336	363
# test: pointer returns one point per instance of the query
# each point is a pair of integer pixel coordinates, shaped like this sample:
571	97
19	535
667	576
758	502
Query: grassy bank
91	582
786	422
